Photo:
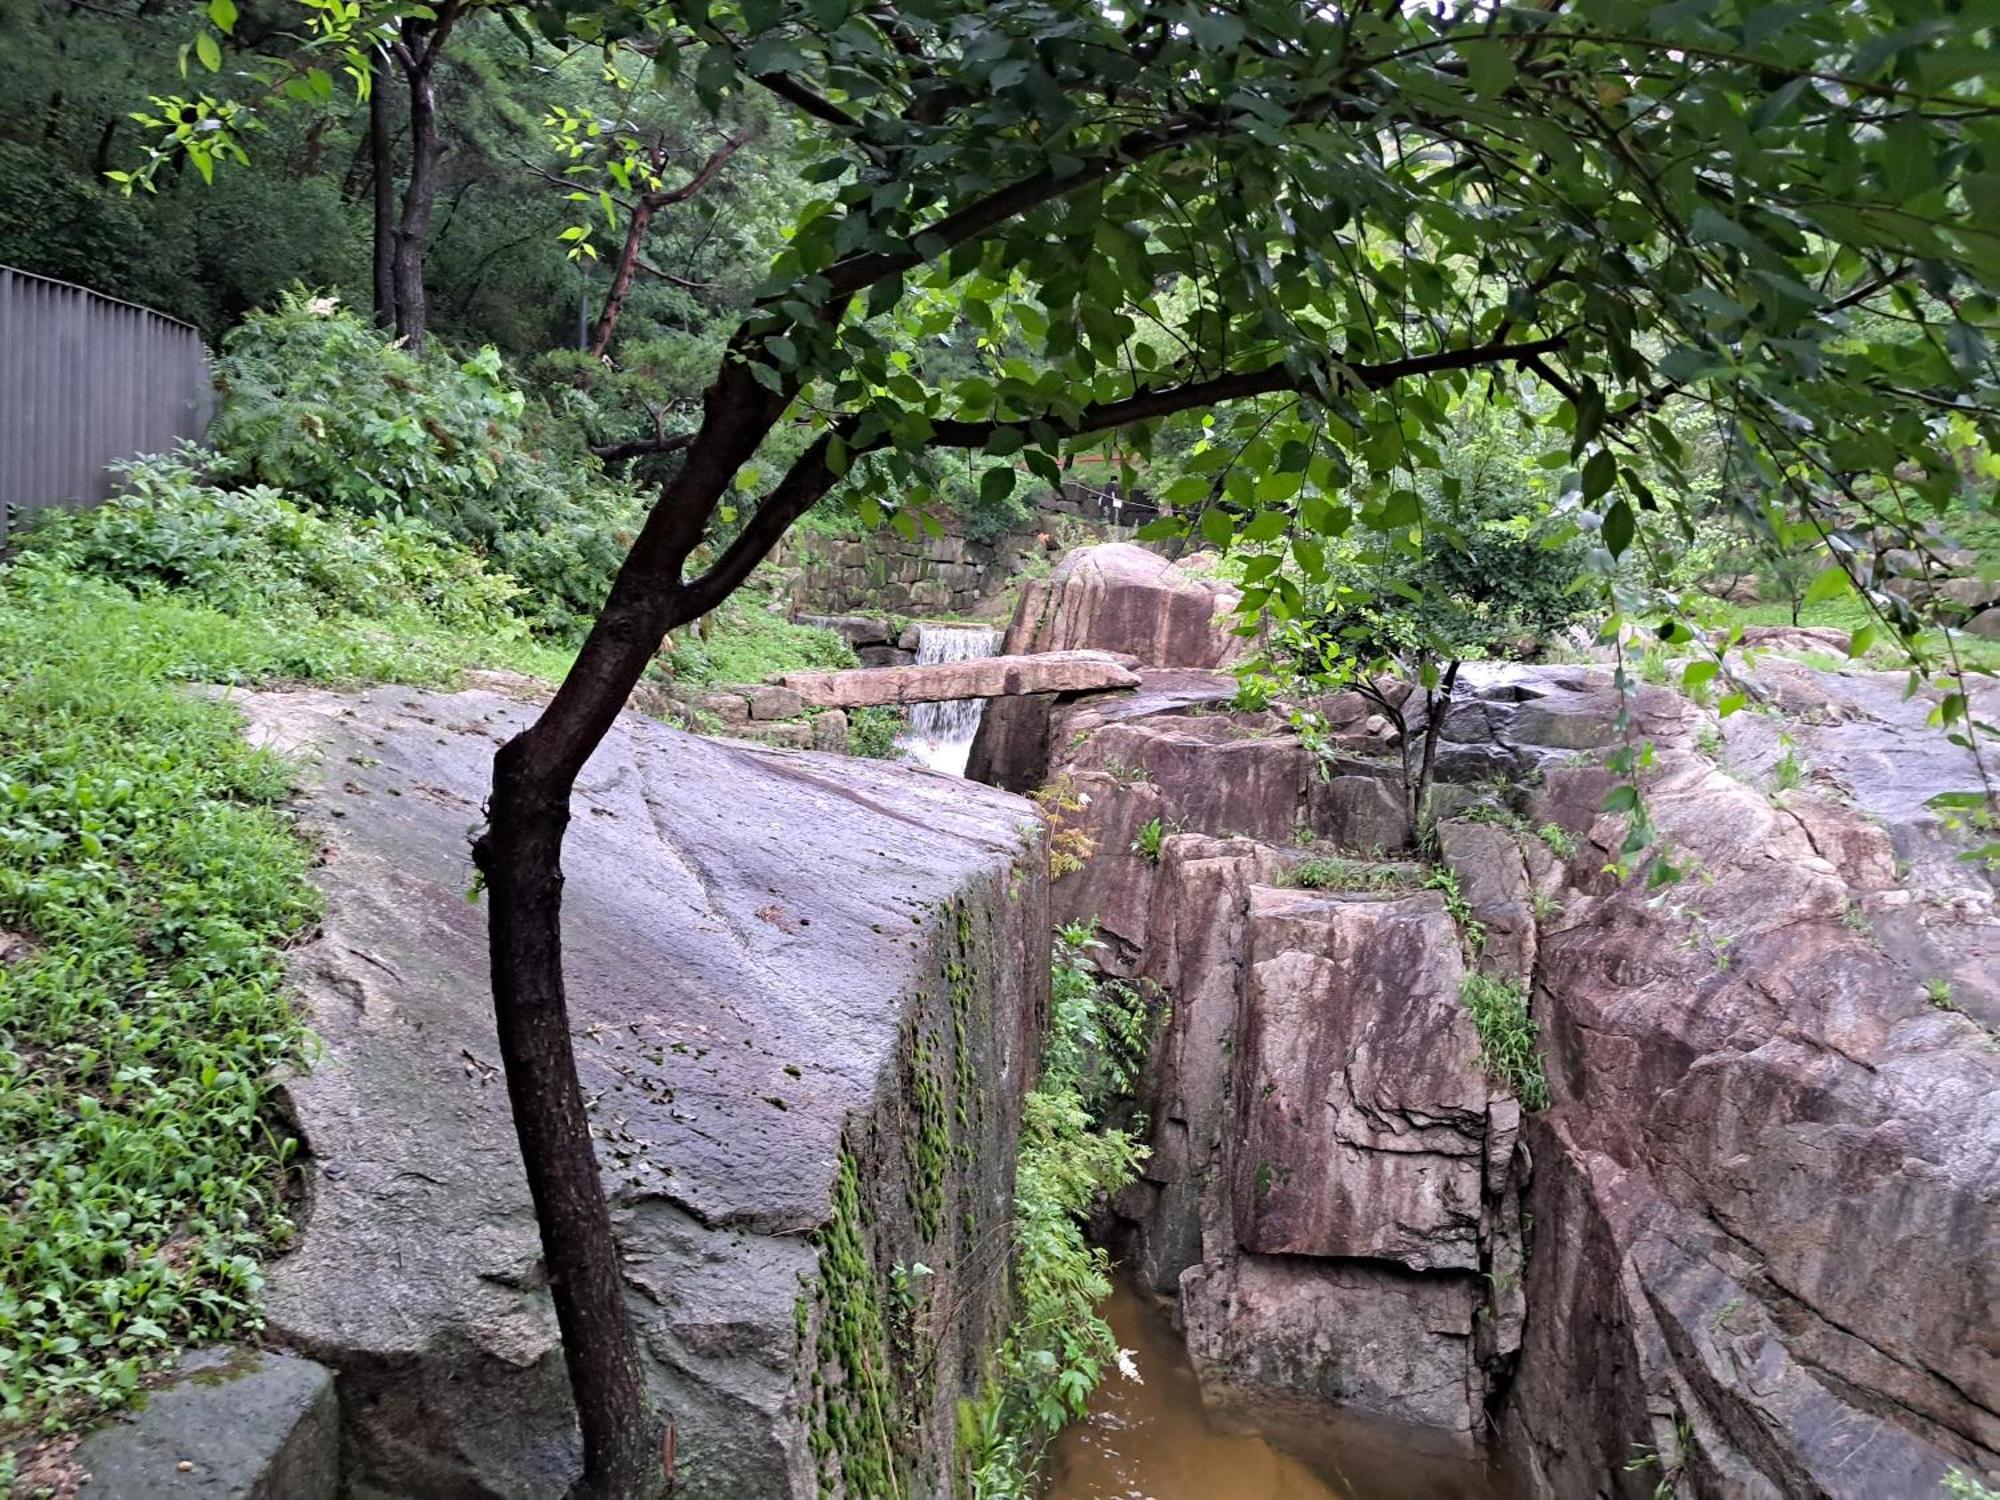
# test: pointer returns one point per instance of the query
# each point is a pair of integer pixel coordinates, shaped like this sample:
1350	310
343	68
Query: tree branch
705	174
671	442
811	475
795	93
1161	401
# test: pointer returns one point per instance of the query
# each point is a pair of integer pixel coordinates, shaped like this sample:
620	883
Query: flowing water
1158	1440
940	734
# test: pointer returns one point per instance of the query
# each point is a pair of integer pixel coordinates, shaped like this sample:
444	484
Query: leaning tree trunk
649	204
621	278
626	1449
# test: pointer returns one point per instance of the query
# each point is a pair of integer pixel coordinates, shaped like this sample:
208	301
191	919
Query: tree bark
520	855
420	190
1436	706
621	277
382	163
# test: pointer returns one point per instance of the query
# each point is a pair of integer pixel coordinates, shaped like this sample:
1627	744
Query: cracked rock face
777	962
1765	1200
1753	1234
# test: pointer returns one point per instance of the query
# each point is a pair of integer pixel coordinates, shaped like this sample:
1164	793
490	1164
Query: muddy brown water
1158	1440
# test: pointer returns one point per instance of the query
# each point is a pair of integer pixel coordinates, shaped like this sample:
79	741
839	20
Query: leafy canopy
1332	220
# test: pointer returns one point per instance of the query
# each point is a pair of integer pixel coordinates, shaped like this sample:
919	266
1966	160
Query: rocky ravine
807	993
1745	1251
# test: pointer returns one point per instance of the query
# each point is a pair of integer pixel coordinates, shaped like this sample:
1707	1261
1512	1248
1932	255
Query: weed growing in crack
1507	1036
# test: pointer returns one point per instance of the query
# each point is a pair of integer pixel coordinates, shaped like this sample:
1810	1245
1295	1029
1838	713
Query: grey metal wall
85	380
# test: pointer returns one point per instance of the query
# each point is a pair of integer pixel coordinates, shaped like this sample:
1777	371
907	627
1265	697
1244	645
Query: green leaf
1832	583
1600	472
996	484
210	52
223	13
1619	525
1489	64
1403	509
1217	527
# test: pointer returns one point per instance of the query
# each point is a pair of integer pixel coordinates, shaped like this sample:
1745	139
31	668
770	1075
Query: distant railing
86	380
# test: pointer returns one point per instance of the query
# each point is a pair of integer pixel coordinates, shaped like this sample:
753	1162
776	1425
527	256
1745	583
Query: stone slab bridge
981	677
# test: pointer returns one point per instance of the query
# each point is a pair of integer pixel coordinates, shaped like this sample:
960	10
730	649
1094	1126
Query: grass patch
1329	872
1507	1036
749	639
156	882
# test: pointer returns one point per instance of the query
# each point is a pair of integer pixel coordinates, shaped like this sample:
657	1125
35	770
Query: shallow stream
1158	1440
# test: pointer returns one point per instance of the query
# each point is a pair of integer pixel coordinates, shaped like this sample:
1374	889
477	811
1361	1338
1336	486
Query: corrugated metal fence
86	380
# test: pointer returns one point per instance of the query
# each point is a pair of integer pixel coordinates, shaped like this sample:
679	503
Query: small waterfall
940	734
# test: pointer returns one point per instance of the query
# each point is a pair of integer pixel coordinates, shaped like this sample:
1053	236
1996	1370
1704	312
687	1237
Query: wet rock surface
805	993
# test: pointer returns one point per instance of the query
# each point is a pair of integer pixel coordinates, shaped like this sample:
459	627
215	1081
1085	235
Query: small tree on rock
1395	619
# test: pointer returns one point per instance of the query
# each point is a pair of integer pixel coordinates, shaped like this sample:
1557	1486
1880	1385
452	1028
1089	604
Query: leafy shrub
254	550
157	886
1147	844
873	732
318	404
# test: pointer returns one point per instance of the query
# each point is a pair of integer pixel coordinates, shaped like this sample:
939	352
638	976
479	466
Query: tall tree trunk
520	855
420	191
382	162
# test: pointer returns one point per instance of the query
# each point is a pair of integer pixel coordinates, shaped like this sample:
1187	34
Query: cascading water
940	734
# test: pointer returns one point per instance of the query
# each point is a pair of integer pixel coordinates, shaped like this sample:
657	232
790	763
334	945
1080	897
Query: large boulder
1121	597
1192	953
1361	1336
1361	1108
805	993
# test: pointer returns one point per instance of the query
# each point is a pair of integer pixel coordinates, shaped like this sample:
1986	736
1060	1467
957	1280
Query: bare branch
671	442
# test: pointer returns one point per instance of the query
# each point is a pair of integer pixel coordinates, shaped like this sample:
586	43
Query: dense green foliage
872	732
148	885
300	212
1058	1347
155	888
252	551
750	639
320	405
